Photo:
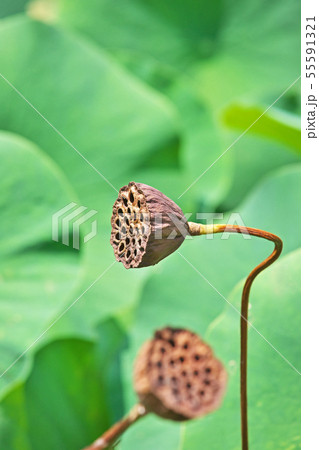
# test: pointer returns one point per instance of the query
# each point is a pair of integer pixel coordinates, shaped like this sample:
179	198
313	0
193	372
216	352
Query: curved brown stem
199	229
112	434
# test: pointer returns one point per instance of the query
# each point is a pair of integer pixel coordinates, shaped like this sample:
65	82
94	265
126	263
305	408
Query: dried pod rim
130	225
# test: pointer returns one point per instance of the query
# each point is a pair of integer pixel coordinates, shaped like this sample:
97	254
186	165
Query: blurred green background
151	91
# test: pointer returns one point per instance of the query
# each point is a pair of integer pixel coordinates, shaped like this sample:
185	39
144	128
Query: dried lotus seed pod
177	376
146	226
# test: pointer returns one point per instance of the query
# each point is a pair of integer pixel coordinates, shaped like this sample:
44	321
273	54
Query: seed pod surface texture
147	226
177	376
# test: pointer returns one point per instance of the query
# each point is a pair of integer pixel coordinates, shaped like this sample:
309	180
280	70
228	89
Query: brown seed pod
177	376
146	226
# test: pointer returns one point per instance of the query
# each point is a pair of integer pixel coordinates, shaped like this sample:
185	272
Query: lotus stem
197	229
112	434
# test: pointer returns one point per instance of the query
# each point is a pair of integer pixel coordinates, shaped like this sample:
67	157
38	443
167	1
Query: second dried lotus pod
147	226
177	375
